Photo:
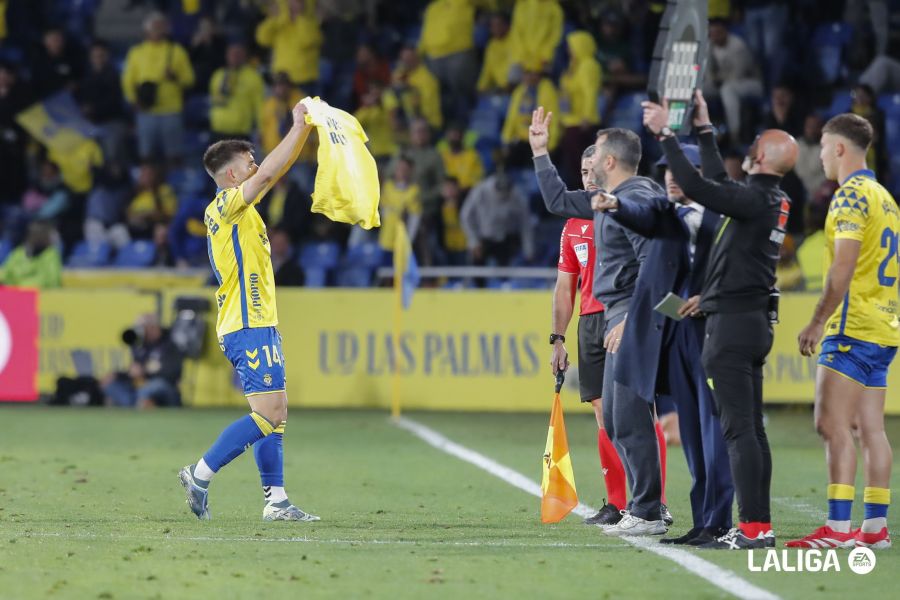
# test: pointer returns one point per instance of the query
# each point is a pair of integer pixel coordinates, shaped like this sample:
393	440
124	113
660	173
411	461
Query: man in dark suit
681	234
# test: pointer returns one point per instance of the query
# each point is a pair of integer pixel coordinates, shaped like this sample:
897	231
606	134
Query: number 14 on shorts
270	352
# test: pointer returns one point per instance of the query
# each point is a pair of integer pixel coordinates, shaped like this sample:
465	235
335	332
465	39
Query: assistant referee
736	295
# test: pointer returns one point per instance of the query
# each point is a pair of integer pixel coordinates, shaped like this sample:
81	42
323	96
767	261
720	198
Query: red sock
613	471
765	527
752	530
661	439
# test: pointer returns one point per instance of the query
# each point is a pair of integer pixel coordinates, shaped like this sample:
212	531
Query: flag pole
398	317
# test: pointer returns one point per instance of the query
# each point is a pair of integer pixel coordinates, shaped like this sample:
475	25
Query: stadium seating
317	260
5	249
841	101
829	42
627	112
137	254
358	265
88	255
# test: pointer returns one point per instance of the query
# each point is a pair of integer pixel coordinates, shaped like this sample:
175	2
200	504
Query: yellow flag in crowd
346	187
558	481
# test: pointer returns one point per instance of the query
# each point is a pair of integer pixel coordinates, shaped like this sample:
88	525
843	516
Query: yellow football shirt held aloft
240	256
863	210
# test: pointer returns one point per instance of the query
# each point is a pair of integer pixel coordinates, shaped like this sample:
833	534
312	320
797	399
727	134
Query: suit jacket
668	268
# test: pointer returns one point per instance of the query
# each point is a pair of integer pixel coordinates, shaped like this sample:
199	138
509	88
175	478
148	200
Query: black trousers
734	352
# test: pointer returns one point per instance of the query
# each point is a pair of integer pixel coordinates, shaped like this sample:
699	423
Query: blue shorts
863	362
256	355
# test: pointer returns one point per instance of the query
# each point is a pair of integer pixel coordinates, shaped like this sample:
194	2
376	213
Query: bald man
740	279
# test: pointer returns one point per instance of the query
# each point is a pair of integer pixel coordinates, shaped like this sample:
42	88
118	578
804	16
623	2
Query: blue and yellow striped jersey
241	259
863	210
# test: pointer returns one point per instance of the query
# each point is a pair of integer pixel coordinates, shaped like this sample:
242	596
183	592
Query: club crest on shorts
267	379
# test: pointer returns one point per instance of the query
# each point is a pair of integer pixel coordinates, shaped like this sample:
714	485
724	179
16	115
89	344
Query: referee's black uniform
739	279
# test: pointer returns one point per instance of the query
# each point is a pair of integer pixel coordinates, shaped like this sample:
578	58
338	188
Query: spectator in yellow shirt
156	74
453	237
36	263
236	95
498	58
399	202
461	163
154	204
295	39
579	89
376	122
275	118
415	91
535	90
537	27
449	47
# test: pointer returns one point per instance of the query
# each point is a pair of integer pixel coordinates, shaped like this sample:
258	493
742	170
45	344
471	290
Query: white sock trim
839	526
274	494
874	525
202	471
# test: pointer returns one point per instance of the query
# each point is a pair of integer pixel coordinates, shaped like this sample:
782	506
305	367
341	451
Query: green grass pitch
90	507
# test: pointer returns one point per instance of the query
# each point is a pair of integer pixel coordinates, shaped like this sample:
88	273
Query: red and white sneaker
825	537
878	541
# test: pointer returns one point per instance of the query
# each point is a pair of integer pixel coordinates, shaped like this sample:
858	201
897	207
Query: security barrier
458	350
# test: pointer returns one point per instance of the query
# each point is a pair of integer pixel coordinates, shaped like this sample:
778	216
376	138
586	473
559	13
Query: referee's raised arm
557	199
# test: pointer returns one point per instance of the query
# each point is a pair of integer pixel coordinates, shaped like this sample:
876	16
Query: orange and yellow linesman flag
558	480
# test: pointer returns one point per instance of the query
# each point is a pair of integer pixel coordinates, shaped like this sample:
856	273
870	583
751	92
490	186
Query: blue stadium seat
841	101
321	255
627	112
87	255
829	41
354	277
136	255
368	255
196	111
5	249
314	277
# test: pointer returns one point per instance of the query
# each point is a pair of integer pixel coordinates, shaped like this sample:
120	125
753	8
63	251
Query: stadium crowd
105	109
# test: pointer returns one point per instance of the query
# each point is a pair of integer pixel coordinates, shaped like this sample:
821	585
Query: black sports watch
556	336
665	132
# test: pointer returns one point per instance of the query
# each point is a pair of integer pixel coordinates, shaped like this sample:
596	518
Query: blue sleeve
641	218
557	199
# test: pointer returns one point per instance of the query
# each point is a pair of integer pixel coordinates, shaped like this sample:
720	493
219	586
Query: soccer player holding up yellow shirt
241	260
858	315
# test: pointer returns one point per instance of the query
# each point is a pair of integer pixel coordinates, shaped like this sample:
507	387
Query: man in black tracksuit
628	419
735	297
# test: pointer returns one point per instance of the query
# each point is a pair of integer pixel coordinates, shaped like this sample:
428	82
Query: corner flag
406	269
558	480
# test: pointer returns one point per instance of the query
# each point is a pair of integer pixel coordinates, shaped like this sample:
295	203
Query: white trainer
632	525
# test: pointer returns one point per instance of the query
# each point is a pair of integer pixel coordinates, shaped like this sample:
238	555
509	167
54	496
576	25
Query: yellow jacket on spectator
523	101
447	28
498	59
536	30
454	236
396	204
275	120
76	167
148	62
295	45
376	121
579	86
41	271
236	97
421	96
464	166
146	202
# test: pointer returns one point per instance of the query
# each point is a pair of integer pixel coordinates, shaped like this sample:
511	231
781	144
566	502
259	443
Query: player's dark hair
589	151
855	128
623	144
221	153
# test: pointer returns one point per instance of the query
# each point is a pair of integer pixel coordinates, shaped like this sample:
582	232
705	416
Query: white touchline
714	574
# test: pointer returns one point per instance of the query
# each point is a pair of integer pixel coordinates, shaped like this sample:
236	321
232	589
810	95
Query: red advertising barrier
18	344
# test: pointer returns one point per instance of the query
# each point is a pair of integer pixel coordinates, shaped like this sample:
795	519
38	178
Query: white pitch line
714	574
820	514
300	540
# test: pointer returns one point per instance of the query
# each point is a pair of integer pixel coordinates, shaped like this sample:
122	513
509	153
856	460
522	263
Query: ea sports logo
861	561
5	342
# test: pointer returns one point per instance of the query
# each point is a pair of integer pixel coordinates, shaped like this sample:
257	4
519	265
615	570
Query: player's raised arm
280	159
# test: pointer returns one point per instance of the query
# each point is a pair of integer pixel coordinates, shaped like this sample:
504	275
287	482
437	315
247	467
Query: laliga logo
5	342
860	560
